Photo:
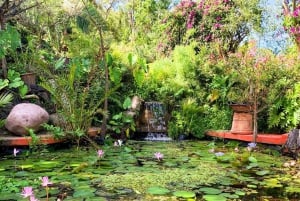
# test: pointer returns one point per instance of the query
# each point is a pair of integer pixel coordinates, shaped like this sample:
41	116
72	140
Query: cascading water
153	122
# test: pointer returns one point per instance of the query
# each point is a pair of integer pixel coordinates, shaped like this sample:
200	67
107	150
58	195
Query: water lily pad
214	198
184	194
22	174
252	186
252	159
156	190
240	193
229	195
262	172
272	183
170	164
83	193
210	191
293	189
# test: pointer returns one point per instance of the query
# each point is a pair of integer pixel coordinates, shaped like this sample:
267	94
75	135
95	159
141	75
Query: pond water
188	170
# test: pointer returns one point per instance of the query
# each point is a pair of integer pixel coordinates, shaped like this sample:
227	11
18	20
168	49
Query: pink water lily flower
100	153
32	198
16	151
218	154
27	192
158	156
45	181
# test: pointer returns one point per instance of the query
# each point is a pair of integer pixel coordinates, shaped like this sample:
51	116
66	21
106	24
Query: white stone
26	116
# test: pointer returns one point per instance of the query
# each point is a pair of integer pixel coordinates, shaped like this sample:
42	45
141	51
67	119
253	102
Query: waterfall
153	122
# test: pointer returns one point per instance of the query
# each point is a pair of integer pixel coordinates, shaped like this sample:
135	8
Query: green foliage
5	98
187	121
12	82
284	113
172	79
75	95
123	122
9	40
56	131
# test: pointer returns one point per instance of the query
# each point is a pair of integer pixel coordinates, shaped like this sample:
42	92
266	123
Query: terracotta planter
242	121
93	131
29	79
241	107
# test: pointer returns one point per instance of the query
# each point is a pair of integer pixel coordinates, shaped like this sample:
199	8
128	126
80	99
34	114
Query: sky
273	37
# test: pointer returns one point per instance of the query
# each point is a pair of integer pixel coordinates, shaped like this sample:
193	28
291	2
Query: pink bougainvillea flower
27	192
158	156
45	181
16	151
100	153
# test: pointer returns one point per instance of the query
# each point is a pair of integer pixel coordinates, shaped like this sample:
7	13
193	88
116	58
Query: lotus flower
100	153
45	181
27	192
158	156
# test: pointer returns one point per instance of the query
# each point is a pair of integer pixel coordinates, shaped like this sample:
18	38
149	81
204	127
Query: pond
186	170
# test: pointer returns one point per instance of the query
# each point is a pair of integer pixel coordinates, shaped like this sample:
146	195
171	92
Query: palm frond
5	98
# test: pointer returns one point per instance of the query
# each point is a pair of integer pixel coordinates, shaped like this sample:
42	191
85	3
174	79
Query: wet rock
26	116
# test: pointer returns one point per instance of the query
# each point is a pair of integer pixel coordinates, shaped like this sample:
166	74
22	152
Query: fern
5	98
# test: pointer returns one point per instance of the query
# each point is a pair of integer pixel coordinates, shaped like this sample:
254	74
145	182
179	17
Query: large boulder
26	116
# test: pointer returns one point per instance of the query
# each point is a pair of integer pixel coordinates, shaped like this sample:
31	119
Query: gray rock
26	116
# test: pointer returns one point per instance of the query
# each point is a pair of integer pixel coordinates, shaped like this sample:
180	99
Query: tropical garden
90	58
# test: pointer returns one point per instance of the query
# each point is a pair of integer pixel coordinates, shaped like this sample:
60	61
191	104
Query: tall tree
9	9
224	23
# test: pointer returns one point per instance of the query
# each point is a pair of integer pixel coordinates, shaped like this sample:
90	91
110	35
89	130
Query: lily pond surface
188	170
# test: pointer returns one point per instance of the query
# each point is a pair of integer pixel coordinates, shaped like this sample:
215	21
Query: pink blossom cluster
296	12
192	10
291	13
295	30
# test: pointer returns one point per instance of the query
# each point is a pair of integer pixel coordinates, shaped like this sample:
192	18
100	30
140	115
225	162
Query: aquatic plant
45	183
159	156
27	192
16	151
251	146
218	154
100	153
32	198
118	143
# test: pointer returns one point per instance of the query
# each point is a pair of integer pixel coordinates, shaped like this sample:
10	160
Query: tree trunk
255	111
105	106
3	60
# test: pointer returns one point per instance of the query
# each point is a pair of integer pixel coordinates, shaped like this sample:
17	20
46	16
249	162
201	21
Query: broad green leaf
210	191
252	159
156	190
214	198
127	103
184	194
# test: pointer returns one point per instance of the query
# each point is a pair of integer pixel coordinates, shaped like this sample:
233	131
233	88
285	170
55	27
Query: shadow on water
186	170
